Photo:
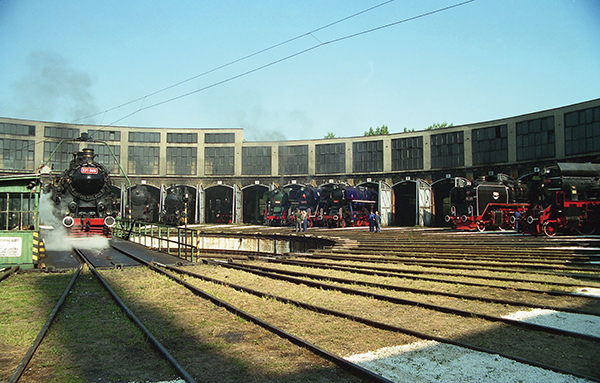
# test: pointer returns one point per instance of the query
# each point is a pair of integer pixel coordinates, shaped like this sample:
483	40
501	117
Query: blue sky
488	59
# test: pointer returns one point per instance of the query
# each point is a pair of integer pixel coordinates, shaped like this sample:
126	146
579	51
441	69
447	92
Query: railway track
385	325
351	298
552	293
85	262
357	373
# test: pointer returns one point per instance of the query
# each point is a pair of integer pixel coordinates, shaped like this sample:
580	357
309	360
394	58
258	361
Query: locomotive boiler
83	196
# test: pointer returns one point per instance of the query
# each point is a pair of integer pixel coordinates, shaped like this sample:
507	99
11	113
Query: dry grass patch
212	343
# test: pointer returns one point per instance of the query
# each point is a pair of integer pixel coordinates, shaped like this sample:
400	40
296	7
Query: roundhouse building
218	164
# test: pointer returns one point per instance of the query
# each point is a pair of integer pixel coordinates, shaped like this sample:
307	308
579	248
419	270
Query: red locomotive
565	197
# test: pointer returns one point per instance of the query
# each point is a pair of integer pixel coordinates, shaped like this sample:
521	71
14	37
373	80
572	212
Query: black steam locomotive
488	202
178	206
343	205
83	196
144	205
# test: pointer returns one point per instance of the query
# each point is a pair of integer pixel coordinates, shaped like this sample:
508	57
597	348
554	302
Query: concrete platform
106	257
145	253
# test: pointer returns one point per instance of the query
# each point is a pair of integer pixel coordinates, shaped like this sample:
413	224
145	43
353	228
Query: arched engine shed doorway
254	204
441	199
179	205
413	205
143	203
219	204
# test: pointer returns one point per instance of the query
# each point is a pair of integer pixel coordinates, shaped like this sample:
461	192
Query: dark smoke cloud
52	89
260	126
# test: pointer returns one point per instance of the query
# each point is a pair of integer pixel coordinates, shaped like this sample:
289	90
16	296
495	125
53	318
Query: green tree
381	130
439	126
330	135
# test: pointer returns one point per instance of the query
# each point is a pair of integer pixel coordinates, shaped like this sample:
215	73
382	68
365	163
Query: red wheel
342	222
480	226
550	229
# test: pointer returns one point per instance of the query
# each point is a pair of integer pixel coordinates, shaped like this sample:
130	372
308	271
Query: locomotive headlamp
68	221
109	221
73	206
101	206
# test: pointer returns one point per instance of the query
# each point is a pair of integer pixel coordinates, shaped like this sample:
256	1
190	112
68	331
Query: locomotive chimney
87	155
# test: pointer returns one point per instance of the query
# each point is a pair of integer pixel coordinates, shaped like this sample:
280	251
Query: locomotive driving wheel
586	229
550	228
480	226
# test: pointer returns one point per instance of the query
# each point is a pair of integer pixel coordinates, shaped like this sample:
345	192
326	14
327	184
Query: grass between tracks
93	341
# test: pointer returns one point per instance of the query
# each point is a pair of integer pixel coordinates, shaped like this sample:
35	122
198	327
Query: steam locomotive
342	205
83	196
565	197
277	208
144	206
178	206
330	205
488	202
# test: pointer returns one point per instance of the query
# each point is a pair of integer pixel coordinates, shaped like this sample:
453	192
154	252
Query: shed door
237	204
201	204
385	203
424	204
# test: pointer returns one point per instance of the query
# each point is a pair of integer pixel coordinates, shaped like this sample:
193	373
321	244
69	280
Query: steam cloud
55	235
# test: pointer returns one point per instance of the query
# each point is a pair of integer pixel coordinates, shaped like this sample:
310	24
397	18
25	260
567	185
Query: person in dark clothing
377	222
371	221
304	220
298	217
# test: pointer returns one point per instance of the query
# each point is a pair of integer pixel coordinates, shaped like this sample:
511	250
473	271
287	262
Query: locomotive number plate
89	170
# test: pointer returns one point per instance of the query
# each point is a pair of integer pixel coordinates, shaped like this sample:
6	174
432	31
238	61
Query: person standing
304	220
377	222
371	221
298	217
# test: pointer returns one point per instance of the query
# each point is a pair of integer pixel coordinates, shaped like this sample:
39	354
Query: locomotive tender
83	196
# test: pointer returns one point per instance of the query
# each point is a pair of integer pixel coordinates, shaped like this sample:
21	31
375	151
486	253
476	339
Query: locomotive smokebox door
88	180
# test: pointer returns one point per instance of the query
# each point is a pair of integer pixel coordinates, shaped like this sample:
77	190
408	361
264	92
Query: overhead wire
143	98
292	56
321	44
310	33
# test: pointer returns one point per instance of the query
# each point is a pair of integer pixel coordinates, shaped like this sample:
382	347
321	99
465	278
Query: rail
191	243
